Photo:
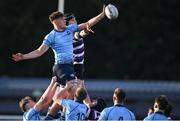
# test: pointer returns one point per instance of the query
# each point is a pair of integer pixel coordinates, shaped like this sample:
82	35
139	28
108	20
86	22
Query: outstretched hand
53	80
17	57
88	29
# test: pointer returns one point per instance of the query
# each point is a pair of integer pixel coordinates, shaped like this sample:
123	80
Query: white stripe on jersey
79	55
79	47
82	62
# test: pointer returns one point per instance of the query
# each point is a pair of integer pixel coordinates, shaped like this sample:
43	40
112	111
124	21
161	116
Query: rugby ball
111	12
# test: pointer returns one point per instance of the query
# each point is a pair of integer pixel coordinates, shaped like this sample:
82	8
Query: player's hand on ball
54	79
69	85
111	12
88	29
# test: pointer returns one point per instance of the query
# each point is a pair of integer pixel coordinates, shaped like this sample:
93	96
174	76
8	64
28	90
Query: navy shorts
64	73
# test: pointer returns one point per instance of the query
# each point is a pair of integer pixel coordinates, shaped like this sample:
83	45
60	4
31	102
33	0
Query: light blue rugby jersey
156	116
32	115
116	113
74	110
62	44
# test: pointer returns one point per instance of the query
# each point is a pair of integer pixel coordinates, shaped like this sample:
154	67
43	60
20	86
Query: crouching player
32	110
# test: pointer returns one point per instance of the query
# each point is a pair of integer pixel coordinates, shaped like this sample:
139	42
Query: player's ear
155	106
114	98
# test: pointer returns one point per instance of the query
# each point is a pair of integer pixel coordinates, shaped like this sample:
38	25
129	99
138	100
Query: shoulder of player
67	100
71	26
130	111
50	34
149	116
108	109
31	112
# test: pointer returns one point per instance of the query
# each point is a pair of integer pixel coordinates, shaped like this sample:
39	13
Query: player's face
114	97
155	106
60	22
31	103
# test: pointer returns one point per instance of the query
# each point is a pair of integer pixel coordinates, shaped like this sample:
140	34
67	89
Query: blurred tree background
143	43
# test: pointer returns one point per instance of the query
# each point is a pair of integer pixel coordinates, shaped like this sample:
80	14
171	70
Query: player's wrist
23	57
77	35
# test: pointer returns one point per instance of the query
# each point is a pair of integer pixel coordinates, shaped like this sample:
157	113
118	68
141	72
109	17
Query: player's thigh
63	72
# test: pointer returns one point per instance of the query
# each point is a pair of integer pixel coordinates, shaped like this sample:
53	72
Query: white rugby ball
111	11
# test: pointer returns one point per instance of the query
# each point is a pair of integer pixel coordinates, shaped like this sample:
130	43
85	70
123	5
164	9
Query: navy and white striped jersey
78	51
118	113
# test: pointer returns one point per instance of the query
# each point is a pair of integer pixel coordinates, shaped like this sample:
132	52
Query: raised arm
34	54
62	93
87	100
46	98
92	21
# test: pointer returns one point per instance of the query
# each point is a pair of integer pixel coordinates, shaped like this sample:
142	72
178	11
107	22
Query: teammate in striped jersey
117	112
32	110
78	49
78	46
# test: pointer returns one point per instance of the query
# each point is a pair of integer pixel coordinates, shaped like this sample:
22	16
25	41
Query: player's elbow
45	100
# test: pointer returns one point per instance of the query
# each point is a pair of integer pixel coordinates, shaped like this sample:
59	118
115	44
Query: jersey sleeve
133	116
147	118
32	114
67	103
49	39
103	115
73	27
64	102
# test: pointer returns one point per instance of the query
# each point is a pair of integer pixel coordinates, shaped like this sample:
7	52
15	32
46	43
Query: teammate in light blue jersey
32	110
160	106
75	109
118	112
61	41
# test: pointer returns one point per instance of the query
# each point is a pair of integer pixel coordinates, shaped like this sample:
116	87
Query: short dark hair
120	95
23	102
168	110
101	104
81	94
162	102
55	15
69	16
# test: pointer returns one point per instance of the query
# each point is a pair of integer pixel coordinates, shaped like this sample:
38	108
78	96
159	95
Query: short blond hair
81	94
120	95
